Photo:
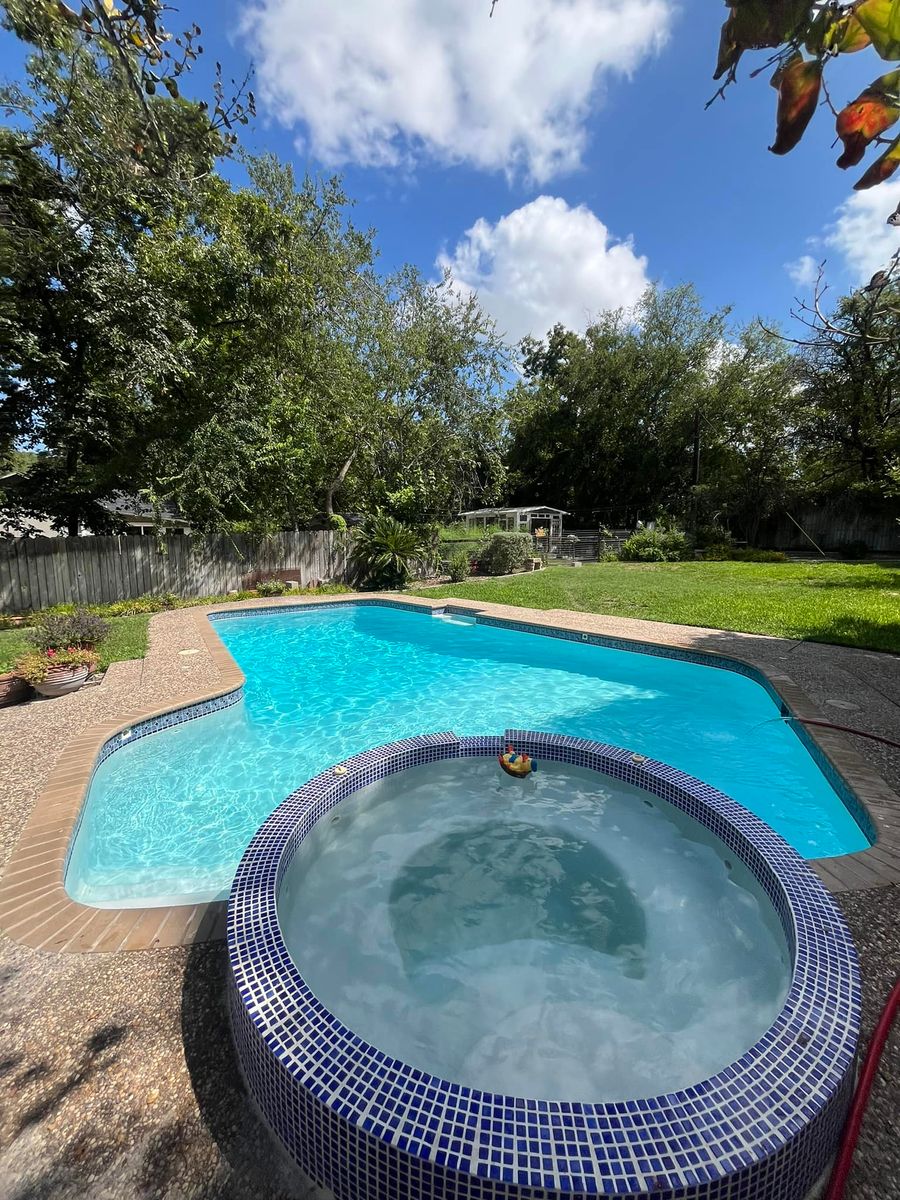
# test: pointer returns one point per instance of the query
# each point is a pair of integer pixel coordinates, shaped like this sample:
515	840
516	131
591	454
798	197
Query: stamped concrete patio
117	1077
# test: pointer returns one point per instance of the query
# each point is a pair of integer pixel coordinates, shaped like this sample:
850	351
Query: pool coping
36	911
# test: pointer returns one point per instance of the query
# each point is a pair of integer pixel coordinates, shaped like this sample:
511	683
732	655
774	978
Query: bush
81	629
607	556
506	552
136	607
728	553
336	522
271	587
385	550
759	556
458	566
854	549
719	552
654	545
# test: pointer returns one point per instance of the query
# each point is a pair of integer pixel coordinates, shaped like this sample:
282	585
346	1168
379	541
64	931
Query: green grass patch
843	603
127	639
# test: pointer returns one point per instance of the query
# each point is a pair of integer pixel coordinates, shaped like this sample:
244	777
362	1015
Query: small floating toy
517	765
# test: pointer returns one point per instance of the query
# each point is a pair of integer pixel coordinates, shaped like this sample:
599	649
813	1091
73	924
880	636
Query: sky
557	156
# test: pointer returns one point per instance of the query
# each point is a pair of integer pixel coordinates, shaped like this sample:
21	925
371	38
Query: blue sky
556	156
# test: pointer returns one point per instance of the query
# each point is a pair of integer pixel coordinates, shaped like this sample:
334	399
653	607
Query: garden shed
525	519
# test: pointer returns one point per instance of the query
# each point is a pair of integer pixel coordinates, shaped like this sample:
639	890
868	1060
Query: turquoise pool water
568	937
168	816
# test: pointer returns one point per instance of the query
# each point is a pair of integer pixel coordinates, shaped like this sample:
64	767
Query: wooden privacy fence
37	572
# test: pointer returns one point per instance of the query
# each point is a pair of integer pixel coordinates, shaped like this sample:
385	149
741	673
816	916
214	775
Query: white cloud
543	263
383	82
803	271
861	234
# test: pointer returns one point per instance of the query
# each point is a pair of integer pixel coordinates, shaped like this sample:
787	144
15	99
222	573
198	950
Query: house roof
525	508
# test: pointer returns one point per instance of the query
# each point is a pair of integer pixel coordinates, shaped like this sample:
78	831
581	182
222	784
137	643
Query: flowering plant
36	665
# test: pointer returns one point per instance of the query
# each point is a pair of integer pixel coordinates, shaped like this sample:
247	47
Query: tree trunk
337	483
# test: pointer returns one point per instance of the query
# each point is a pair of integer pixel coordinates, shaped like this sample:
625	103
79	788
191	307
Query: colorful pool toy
517	765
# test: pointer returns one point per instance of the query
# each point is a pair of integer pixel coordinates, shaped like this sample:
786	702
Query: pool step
452	618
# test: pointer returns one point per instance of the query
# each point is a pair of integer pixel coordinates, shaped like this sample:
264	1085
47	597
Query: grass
843	603
127	639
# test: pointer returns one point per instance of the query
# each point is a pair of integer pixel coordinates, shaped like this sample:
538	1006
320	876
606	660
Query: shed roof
525	508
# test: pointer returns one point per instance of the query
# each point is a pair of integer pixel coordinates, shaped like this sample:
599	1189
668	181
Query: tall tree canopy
230	348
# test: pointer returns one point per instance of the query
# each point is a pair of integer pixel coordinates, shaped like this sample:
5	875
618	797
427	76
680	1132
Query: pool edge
36	911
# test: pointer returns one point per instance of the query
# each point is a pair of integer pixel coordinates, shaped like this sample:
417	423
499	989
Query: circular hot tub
603	978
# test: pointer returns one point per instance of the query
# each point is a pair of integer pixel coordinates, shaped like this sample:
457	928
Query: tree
604	422
849	419
804	36
86	332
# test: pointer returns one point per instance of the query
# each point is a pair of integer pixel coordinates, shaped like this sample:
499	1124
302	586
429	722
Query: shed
524	519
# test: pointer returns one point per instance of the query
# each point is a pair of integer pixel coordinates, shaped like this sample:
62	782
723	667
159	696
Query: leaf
881	21
880	170
873	111
171	86
757	24
847	35
798	84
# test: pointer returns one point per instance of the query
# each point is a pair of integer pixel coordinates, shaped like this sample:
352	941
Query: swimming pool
168	816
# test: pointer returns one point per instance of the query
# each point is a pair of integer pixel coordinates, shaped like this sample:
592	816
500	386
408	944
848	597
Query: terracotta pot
62	680
13	689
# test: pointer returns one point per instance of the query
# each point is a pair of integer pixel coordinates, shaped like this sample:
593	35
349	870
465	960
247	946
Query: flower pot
62	680
13	689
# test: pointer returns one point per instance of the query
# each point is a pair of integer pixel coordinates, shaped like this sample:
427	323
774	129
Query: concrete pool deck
116	1072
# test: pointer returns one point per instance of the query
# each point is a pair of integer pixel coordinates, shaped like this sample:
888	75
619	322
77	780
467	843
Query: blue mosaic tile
372	1128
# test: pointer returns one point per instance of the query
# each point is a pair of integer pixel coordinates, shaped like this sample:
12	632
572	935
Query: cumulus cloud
543	263
861	234
384	82
803	271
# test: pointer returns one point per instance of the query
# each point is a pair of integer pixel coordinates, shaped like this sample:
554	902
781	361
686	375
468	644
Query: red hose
861	1096
875	737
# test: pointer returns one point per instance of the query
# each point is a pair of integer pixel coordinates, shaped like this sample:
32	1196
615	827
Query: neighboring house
524	519
136	514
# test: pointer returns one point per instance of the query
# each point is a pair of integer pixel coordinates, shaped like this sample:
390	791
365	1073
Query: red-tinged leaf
881	21
881	169
873	111
798	95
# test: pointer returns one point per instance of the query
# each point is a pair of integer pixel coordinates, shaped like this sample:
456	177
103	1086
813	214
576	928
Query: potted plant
13	688
57	672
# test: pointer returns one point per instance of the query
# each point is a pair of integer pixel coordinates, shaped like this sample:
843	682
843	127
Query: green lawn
127	639
850	604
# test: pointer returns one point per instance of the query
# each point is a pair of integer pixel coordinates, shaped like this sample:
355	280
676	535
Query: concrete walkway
117	1078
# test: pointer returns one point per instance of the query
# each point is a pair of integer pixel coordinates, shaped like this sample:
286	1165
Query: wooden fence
37	572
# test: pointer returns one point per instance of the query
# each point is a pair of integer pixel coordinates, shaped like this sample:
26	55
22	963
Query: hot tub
605	978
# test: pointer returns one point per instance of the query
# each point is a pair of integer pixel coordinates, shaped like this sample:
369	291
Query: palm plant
385	550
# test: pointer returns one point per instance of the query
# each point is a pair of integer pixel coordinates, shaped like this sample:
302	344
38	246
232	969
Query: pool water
563	937
168	816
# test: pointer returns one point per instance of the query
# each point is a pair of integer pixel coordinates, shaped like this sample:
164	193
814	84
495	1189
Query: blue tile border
373	1128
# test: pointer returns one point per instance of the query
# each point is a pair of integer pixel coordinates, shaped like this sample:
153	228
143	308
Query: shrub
506	552
81	629
759	556
336	522
458	566
719	552
137	606
34	667
385	550
654	545
607	556
855	549
272	587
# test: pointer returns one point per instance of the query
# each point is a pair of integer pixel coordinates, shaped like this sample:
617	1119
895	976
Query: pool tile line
369	1127
45	840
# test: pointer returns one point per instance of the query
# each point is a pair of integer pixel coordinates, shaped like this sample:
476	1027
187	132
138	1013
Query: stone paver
117	1077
